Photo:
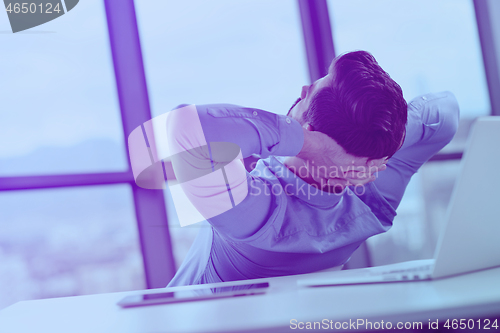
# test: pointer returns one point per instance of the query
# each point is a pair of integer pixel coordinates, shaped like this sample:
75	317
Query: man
313	197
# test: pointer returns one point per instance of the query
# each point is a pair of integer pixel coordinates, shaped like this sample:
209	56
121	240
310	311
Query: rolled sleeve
255	131
446	117
432	118
432	123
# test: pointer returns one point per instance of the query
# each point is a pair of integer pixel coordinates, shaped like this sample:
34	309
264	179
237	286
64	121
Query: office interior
73	221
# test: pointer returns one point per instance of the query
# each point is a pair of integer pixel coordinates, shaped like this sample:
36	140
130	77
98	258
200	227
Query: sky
57	83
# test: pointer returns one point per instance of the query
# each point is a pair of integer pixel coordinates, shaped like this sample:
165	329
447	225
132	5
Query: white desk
467	296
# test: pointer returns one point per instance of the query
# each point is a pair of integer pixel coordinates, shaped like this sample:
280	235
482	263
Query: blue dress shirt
286	226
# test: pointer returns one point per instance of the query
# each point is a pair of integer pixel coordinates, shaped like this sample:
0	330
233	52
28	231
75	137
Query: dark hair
363	109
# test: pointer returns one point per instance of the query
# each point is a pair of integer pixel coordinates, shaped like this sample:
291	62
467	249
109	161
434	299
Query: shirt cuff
291	137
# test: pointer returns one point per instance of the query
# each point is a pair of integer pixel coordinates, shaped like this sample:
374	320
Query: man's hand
331	167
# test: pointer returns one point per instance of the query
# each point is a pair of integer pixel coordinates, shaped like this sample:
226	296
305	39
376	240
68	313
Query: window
60	113
68	241
248	53
426	46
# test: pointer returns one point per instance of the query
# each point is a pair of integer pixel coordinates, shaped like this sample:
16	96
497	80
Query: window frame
490	51
150	210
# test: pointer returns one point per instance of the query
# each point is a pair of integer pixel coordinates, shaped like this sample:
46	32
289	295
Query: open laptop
470	240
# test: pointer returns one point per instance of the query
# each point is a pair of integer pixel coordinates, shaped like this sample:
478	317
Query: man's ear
308	127
378	161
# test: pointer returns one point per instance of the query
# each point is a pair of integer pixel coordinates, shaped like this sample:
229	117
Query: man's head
357	104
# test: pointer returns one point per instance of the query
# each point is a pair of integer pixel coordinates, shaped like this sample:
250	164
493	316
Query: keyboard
417	270
421	272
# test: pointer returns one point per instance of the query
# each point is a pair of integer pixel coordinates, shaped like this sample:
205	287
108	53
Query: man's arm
432	123
255	132
241	204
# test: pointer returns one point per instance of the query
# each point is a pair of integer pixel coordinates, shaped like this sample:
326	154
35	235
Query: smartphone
201	294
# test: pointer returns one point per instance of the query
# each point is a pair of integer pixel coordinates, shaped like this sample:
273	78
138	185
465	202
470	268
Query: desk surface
472	295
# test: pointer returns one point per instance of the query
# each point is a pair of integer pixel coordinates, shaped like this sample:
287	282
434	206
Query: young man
312	198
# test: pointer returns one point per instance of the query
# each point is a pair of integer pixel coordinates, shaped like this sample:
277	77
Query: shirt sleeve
254	131
432	123
223	192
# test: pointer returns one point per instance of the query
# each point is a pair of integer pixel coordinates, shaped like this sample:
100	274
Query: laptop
470	240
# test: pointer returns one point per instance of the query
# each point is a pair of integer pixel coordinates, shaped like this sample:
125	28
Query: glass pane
248	53
60	112
182	237
66	242
425	45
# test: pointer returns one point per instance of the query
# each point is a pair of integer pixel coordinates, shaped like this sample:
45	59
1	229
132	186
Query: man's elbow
449	116
184	129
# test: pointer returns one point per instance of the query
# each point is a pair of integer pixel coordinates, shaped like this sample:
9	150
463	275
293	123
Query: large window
426	46
242	52
59	114
248	53
59	110
68	241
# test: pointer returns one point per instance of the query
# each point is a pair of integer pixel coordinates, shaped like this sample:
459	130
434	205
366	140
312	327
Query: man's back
287	226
